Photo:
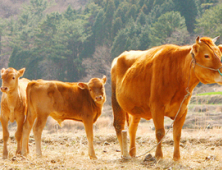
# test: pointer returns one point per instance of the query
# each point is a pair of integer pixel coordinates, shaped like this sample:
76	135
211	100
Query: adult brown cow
75	101
152	84
13	105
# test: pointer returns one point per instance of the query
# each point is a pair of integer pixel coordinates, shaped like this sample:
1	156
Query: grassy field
66	148
209	93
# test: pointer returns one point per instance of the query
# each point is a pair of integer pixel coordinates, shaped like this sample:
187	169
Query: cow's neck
12	99
191	76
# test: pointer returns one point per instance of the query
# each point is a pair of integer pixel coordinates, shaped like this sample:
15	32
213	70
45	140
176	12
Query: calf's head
10	78
207	57
96	89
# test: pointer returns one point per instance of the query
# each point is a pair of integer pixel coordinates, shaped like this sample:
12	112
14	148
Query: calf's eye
13	78
206	56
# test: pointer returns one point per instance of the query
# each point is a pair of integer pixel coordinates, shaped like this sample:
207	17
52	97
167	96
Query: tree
165	26
144	38
188	10
210	23
141	18
119	43
98	28
117	25
109	18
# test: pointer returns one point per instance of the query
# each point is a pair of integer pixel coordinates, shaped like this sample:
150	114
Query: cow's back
57	99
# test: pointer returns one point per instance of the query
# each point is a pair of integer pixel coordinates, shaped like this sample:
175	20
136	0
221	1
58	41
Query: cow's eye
13	78
206	56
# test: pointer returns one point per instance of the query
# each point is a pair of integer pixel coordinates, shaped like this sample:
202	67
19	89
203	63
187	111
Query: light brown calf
75	101
13	104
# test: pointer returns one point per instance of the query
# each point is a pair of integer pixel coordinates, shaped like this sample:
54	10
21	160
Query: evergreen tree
141	18
109	19
98	28
117	25
187	9
210	23
119	43
165	26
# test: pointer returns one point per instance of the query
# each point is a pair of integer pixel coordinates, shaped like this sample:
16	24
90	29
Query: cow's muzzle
99	98
4	89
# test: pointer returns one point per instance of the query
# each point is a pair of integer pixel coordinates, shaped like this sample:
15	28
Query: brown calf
75	101
13	104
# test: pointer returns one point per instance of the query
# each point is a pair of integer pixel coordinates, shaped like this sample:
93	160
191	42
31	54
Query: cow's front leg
88	124
158	120
18	133
177	127
5	136
133	124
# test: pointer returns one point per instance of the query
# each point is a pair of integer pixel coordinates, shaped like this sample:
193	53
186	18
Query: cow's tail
28	100
127	119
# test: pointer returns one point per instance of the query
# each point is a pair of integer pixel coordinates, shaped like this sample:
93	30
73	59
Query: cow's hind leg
133	124
119	120
26	132
158	120
37	130
5	137
88	124
177	127
18	134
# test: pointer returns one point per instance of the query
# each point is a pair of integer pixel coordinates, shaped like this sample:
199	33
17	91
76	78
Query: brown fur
13	105
75	101
151	84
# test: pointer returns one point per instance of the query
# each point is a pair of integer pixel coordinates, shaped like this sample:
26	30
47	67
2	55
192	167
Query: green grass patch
210	93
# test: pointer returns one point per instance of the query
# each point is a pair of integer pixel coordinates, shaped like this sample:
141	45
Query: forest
79	43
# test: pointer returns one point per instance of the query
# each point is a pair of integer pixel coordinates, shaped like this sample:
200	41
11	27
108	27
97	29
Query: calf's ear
82	85
220	47
21	72
2	71
104	79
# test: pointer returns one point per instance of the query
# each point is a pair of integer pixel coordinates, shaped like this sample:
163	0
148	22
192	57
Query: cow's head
96	89
10	78
207	57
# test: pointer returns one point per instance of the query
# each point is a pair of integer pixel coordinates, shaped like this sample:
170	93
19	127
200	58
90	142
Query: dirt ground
66	148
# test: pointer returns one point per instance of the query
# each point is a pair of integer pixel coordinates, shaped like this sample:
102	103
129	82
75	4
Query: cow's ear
21	72
195	49
220	47
104	79
2	71
82	85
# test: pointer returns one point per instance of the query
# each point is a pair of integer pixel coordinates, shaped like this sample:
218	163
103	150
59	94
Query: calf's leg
177	127
18	134
5	137
88	124
133	124
37	130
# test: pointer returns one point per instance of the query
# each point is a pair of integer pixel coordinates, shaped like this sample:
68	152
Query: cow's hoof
18	152
38	155
176	158
5	156
93	157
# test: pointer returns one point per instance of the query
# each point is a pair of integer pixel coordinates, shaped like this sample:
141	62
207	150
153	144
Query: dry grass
66	148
